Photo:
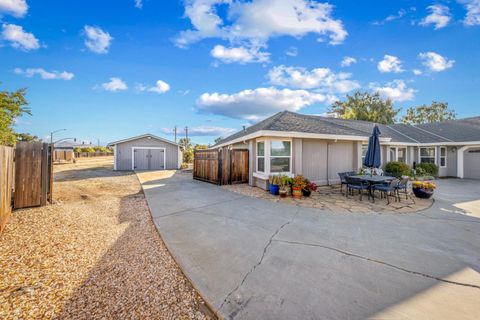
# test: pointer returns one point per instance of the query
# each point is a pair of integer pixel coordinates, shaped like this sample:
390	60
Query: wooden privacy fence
92	154
27	171
6	184
221	166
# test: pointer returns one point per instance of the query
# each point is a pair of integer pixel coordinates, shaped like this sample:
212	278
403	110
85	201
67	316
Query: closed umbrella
373	156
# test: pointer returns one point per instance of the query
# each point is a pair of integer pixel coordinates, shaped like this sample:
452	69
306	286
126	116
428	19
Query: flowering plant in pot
423	189
299	182
309	187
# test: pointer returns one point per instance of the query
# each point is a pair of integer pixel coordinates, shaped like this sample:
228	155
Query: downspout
328	167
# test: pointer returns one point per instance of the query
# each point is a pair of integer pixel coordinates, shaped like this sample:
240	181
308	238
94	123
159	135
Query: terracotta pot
283	193
297	192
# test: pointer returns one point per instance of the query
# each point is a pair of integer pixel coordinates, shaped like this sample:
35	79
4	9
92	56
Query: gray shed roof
448	131
147	135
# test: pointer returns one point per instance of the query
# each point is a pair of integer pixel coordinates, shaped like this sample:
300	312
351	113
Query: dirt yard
93	254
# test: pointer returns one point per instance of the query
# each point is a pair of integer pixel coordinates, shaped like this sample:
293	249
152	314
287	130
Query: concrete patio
257	259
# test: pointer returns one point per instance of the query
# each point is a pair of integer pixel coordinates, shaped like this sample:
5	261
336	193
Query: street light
51	134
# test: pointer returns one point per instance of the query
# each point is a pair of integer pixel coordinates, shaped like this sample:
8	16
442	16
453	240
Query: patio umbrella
373	156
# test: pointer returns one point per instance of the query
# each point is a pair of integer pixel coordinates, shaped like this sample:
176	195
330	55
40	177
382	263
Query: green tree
201	147
218	140
187	150
12	106
437	111
367	107
26	137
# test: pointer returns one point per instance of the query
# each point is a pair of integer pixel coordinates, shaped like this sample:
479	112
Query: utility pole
186	136
175	133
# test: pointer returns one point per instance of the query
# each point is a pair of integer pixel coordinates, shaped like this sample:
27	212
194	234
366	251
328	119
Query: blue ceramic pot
274	189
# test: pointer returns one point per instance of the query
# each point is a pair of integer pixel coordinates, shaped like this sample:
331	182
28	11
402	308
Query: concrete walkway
256	259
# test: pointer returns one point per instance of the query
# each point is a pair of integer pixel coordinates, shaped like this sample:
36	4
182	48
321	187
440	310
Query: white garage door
148	158
472	164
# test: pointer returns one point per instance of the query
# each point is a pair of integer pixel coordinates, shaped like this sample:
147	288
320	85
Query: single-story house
146	152
321	147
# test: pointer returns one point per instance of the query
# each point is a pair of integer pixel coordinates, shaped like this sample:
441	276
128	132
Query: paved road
256	259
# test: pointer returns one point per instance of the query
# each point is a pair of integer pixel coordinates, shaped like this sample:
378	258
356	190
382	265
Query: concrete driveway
256	259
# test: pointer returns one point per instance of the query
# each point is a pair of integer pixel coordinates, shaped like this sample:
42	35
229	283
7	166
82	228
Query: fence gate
33	174
6	184
221	166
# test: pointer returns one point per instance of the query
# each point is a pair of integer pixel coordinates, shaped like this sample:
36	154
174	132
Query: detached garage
146	152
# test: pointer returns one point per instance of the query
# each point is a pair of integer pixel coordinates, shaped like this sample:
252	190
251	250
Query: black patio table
373	180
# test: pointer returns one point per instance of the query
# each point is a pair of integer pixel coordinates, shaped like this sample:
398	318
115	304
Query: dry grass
93	254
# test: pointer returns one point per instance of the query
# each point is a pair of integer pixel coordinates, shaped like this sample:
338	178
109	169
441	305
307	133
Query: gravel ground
93	254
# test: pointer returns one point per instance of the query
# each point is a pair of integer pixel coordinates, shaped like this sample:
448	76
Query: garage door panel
157	159
472	164
140	159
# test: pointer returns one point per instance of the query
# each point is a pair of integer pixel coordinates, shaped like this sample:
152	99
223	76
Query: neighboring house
320	147
64	150
146	152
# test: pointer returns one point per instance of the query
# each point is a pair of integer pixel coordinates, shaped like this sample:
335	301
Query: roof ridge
434	134
326	119
402	133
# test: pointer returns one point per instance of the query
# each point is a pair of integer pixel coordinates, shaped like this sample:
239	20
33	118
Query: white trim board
155	148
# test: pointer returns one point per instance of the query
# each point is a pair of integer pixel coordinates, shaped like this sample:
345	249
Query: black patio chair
387	190
343	175
357	184
403	185
343	180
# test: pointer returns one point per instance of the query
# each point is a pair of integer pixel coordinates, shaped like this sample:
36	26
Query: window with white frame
274	156
364	151
402	155
261	156
280	156
393	154
427	155
443	157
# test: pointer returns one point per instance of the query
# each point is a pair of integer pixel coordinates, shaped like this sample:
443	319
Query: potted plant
275	185
285	186
423	189
309	187
297	186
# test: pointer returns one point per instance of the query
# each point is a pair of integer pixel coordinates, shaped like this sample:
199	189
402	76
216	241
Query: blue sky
112	69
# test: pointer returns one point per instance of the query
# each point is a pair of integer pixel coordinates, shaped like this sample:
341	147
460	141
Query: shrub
398	169
430	169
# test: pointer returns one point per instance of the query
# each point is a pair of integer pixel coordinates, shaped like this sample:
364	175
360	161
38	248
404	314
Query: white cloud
138	4
292	51
45	75
160	87
472	18
435	62
321	79
239	54
256	21
397	91
257	103
417	72
16	8
400	14
97	40
115	84
439	16
205	131
390	64
19	39
348	61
